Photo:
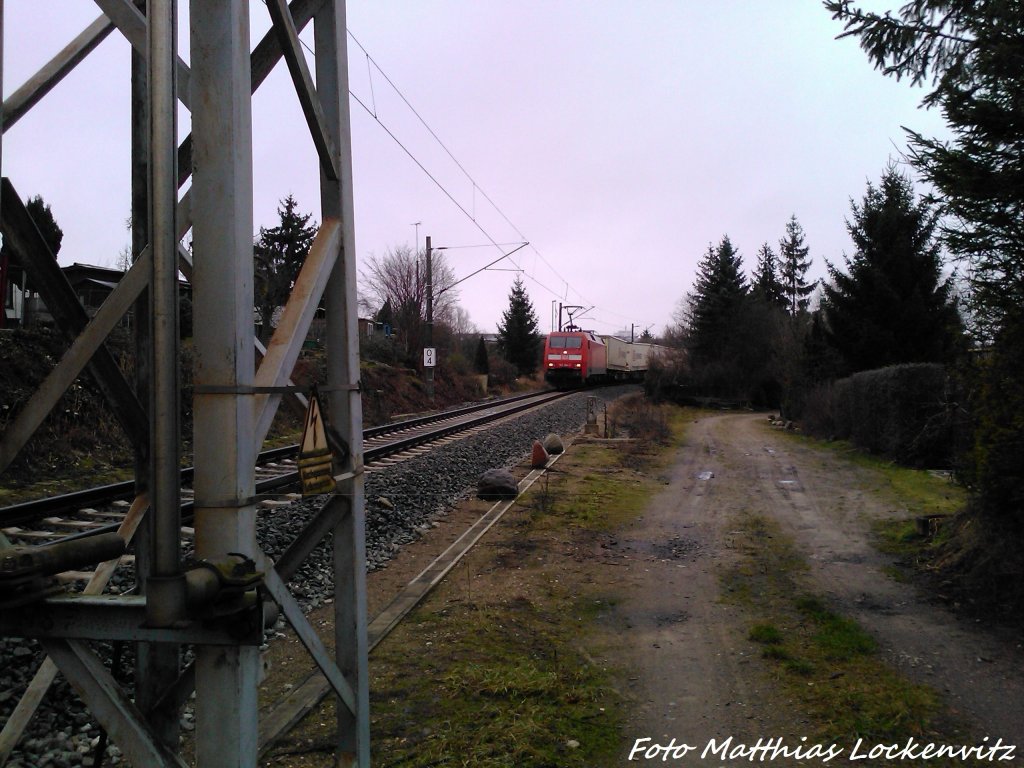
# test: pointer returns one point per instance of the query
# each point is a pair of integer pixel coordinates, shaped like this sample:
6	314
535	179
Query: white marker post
429	362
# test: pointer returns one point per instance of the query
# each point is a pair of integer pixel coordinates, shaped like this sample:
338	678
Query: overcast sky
619	138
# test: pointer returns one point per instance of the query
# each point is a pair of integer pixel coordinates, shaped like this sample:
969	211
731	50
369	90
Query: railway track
419	484
99	510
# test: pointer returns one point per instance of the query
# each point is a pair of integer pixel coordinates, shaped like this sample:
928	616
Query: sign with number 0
429	357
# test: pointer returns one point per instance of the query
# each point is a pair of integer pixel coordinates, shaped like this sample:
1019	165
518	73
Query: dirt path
696	676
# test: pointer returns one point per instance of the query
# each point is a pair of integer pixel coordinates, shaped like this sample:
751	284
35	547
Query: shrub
457	364
902	412
503	373
667	376
378	348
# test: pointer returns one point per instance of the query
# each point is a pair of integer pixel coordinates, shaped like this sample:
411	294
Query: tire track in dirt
695	676
817	499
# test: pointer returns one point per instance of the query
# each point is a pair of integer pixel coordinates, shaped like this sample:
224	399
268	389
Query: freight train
575	358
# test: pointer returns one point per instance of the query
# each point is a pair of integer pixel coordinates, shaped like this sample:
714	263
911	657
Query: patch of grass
895	573
601	497
917	490
838	638
768	634
506	679
898	537
824	661
508	690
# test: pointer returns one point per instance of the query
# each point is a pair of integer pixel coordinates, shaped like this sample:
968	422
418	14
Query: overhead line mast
217	607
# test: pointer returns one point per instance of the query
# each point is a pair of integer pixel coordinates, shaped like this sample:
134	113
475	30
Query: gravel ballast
402	501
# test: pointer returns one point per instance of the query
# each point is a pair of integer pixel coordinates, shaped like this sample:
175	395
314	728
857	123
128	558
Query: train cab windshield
565	342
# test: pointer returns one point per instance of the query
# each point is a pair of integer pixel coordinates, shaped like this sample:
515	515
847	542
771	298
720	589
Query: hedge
901	412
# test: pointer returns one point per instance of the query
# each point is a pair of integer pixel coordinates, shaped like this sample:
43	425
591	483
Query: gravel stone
403	501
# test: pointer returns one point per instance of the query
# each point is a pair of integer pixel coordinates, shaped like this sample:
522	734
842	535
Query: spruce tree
279	253
42	216
716	301
481	363
766	285
892	304
970	52
518	335
793	266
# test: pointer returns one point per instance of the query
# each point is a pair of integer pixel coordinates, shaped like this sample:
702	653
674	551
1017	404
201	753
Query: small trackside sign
429	357
314	453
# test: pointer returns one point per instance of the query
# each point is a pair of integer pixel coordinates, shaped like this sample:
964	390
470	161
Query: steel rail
31	511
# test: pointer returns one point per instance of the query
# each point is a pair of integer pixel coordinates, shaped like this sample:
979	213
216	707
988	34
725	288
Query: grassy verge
493	669
825	663
912	493
920	491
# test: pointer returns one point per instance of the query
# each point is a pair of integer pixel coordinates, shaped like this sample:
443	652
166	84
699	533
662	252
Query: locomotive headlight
578	365
551	365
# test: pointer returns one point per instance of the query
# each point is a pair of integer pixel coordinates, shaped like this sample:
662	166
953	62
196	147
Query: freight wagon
575	358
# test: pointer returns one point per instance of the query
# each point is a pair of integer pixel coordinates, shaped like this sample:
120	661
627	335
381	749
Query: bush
457	364
640	419
994	464
901	412
667	376
503	373
378	348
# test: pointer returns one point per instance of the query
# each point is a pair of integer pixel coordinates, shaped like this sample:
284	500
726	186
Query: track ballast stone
402	501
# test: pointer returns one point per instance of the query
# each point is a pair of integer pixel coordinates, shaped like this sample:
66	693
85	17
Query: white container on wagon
619	356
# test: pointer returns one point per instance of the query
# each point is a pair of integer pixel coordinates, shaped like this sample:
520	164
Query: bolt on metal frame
232	411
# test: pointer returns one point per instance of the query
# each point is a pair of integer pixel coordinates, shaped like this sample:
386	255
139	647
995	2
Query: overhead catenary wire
470	215
476	187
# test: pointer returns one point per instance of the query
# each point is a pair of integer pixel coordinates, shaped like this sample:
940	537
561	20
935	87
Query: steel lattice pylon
234	401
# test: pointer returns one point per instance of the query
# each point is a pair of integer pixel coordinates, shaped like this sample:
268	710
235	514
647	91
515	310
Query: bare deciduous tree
397	281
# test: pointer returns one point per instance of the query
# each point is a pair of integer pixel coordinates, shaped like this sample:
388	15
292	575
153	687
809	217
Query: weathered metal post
156	664
225	517
430	318
3	293
166	585
4	266
343	381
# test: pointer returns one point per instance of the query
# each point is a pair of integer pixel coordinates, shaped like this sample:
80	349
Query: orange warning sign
314	453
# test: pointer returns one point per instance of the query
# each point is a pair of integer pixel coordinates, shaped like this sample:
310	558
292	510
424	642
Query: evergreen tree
793	266
717	298
518	335
481	363
766	285
892	304
43	218
971	52
385	316
279	253
820	361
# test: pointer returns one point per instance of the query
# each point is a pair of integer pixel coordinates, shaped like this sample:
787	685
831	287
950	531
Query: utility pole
429	369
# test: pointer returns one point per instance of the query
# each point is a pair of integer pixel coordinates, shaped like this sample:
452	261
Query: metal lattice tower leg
225	519
234	402
346	406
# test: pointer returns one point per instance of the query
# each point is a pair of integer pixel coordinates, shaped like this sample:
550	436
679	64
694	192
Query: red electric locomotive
574	358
